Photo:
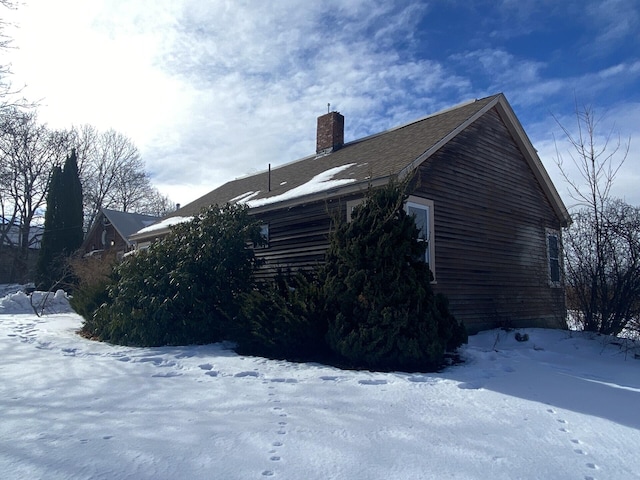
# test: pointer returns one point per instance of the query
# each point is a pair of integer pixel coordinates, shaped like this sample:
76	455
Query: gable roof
125	223
371	161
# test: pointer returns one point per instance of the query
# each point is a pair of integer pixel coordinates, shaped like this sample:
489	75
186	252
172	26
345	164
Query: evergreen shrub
382	311
284	318
185	288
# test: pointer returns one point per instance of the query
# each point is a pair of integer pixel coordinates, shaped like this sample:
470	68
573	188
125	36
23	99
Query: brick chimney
330	135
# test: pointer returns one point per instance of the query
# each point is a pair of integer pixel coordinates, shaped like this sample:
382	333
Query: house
18	262
111	230
482	199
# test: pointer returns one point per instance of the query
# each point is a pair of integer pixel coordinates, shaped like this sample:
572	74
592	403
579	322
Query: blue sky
212	90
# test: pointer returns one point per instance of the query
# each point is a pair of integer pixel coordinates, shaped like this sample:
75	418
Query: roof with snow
125	223
369	161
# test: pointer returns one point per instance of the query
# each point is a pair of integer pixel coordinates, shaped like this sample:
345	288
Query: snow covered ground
559	406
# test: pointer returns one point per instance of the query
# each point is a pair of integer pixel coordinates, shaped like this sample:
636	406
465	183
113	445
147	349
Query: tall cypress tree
71	206
50	245
63	232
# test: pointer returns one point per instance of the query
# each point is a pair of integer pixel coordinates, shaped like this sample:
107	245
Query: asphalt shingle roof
378	156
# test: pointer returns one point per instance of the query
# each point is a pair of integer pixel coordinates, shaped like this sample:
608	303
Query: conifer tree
383	312
50	245
71	206
63	232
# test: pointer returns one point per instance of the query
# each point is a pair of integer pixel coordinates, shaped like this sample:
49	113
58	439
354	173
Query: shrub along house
481	197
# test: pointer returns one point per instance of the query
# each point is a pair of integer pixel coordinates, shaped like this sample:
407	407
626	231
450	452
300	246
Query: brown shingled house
111	230
482	198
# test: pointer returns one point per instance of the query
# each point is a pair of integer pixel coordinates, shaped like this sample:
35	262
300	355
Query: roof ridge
369	137
421	119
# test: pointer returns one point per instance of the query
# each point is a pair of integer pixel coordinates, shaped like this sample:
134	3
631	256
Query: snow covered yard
559	406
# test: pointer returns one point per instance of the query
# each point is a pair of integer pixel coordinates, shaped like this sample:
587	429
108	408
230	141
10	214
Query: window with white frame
421	210
351	204
553	257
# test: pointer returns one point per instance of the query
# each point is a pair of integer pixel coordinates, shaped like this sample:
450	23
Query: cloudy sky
210	90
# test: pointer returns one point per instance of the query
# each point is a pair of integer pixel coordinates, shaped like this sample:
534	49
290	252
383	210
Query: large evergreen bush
382	311
185	288
284	318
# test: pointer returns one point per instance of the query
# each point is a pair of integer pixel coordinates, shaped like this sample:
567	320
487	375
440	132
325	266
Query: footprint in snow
469	386
329	378
579	451
154	360
421	379
167	375
246	374
205	366
283	380
372	382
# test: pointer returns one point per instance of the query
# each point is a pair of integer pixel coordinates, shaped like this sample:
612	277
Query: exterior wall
491	219
94	240
298	236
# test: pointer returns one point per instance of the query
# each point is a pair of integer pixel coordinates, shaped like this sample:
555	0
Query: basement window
553	257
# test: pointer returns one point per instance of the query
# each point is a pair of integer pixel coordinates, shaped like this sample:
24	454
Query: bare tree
108	161
156	204
602	246
28	151
113	174
9	97
5	43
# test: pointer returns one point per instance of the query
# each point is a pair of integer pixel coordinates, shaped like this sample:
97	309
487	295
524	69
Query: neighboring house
17	265
481	196
111	230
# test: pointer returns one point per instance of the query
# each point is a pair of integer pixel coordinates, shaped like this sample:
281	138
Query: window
422	211
264	233
553	255
351	204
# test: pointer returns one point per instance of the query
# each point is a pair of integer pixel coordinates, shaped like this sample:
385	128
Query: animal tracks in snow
280	422
575	443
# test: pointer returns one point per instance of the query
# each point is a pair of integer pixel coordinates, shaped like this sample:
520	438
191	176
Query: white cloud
212	90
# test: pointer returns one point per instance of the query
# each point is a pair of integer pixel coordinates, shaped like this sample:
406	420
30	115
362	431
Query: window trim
264	233
351	204
418	202
550	232
428	205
